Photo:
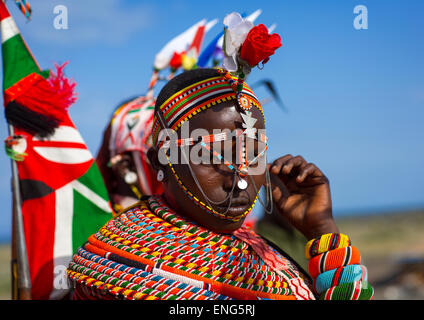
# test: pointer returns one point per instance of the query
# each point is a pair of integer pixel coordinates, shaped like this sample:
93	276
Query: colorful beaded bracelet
333	259
325	243
358	290
341	275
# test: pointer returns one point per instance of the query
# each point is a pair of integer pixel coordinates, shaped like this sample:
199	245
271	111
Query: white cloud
90	22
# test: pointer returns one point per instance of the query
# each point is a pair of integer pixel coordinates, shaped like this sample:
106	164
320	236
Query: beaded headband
200	96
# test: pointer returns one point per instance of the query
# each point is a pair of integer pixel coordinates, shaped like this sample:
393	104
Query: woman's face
216	180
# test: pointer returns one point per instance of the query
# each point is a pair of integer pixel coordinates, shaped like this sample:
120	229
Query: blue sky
355	97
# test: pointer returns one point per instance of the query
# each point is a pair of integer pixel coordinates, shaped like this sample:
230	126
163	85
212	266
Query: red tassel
51	97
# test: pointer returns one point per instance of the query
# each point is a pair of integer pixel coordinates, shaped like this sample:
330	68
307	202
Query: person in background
122	158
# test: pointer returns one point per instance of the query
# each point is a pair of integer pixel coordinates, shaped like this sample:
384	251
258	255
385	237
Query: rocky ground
392	247
5	285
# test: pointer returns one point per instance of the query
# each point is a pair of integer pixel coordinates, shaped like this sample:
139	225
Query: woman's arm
301	193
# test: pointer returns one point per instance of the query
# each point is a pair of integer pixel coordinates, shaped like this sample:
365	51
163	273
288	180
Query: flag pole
21	279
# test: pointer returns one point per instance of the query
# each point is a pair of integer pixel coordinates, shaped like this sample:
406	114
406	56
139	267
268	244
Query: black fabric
32	189
30	121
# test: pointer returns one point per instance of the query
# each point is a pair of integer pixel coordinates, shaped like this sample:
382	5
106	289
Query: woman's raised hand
301	193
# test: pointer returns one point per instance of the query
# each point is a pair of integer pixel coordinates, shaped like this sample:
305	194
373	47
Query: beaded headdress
186	103
200	96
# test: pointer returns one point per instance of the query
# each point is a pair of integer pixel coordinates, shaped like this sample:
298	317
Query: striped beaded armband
339	276
326	242
333	259
358	290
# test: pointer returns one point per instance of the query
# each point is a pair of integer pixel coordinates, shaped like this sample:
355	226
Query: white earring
242	184
160	175
130	177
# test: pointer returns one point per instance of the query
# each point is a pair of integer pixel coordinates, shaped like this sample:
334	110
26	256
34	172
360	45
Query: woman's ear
161	170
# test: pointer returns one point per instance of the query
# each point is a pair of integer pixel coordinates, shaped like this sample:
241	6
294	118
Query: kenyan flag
64	202
20	69
63	193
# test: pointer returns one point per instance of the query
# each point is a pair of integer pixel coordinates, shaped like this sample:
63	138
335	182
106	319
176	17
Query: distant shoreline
377	211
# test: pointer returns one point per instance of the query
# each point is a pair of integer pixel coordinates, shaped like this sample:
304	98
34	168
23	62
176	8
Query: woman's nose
229	179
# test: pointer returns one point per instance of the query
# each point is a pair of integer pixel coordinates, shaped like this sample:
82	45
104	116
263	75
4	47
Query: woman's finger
278	186
297	161
279	196
306	171
279	163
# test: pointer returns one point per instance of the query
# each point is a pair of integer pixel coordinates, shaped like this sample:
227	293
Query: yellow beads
324	243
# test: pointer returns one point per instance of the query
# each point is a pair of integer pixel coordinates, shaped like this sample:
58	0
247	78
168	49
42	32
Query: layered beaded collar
151	252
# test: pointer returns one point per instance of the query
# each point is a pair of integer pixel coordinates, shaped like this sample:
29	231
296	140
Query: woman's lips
236	208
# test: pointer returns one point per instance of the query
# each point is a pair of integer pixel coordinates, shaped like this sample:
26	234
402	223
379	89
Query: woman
122	157
190	242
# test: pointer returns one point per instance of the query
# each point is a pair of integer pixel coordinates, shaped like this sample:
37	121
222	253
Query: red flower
259	45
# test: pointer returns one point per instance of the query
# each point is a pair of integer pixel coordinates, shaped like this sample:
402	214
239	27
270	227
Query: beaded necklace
141	254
